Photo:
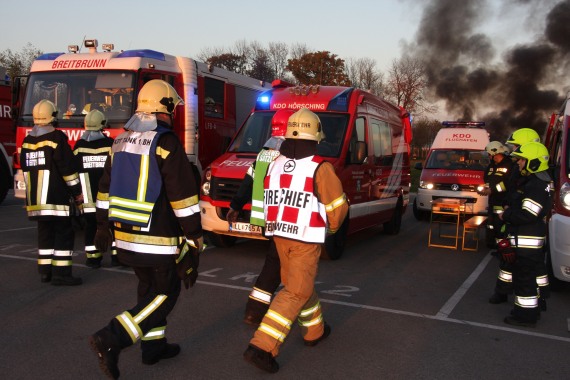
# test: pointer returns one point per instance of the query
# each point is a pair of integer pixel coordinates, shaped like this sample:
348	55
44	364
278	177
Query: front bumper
212	222
476	204
559	245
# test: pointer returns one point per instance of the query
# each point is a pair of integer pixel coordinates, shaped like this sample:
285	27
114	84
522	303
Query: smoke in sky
519	87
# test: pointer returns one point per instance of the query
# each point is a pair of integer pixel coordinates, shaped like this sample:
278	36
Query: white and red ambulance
216	101
454	168
366	139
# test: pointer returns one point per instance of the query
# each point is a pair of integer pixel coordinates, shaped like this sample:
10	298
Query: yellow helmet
495	147
523	136
94	121
44	112
158	96
304	125
536	156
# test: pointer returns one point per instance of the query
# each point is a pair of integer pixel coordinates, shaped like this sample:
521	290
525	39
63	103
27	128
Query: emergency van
365	138
454	168
7	136
216	101
556	139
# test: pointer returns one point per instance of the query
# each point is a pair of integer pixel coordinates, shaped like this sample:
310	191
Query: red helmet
279	122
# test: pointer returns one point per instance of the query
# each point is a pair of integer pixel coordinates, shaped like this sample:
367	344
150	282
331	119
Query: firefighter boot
497	298
261	359
515	321
45	277
93	263
169	351
326	332
67	280
108	353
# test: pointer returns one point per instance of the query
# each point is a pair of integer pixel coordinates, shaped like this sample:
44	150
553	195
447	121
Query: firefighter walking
51	180
303	198
91	151
149	192
251	190
526	228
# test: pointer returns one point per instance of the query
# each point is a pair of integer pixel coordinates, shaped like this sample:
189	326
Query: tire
419	214
222	241
334	244
393	226
5	179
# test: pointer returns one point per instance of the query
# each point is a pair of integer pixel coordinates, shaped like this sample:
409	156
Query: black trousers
268	281
55	246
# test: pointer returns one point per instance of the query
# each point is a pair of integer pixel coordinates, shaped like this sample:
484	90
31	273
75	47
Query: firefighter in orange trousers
251	190
304	201
91	151
51	179
152	228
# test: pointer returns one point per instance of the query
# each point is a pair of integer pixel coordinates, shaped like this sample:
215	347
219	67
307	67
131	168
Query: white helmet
94	121
496	147
304	125
44	112
158	96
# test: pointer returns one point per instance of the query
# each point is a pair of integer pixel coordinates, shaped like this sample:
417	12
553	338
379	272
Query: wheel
222	241
5	180
419	214
334	244
392	227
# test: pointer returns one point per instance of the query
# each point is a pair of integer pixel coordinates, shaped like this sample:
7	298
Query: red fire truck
216	101
557	140
366	139
7	136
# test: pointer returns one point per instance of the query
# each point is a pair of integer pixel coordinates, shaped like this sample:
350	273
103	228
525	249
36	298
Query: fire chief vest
291	208
264	158
135	179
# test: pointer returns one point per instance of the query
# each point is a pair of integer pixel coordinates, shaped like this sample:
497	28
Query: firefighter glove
232	215
188	260
506	251
102	238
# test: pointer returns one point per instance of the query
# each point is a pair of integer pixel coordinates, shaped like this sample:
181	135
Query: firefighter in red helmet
298	229
251	190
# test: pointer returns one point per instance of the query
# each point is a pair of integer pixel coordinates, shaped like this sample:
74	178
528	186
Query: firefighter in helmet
504	284
526	228
154	229
91	151
51	179
298	229
251	190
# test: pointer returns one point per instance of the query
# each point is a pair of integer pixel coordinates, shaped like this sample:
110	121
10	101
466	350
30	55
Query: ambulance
454	168
366	139
216	101
557	141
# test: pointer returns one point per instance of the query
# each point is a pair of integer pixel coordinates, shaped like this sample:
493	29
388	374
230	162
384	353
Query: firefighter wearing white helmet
304	201
91	152
51	179
498	181
526	228
153	229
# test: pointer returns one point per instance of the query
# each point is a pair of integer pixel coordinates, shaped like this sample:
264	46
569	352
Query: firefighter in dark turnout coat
149	192
526	228
51	179
91	151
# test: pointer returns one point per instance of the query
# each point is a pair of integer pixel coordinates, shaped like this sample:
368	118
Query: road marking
19	229
438	317
455	298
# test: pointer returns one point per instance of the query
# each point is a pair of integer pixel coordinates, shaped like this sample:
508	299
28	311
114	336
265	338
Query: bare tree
362	74
19	63
407	83
277	53
243	50
206	53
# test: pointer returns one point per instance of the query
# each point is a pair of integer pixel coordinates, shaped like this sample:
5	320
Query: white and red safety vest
291	207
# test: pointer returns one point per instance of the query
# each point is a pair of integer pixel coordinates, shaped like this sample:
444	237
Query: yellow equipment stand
446	211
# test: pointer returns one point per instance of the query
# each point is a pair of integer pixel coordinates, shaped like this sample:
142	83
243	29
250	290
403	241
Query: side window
381	137
214	98
357	148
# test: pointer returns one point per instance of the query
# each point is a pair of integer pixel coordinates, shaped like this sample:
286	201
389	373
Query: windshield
76	93
457	159
257	130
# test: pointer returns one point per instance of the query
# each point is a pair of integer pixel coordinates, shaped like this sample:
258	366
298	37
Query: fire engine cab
366	139
216	101
557	140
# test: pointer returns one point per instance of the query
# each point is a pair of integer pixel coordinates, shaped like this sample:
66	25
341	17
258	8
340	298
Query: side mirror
418	166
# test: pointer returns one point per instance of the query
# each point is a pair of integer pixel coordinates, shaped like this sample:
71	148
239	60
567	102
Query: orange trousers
297	300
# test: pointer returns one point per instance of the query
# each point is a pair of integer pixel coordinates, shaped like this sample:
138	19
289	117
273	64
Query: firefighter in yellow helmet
91	152
153	229
304	201
526	228
51	179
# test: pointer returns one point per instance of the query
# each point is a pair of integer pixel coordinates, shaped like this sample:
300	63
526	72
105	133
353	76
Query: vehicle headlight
480	188
206	182
565	195
426	185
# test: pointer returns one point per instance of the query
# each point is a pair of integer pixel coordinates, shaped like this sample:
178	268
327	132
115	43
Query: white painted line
455	298
19	229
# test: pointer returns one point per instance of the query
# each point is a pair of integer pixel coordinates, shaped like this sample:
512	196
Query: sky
466	38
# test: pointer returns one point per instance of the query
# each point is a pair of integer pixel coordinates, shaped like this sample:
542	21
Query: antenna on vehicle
81	44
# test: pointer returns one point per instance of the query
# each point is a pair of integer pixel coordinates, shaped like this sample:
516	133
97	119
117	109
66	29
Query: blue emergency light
48	56
467	124
142	53
263	101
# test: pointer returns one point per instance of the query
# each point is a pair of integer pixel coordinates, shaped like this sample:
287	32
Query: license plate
245	228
